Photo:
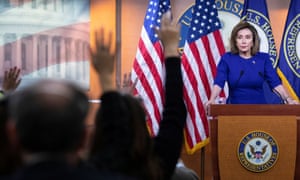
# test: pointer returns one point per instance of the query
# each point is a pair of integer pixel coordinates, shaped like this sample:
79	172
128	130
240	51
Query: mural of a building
45	38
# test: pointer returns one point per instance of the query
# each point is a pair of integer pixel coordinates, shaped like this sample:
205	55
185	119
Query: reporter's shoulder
184	173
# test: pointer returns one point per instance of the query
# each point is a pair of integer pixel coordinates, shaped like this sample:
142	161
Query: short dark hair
244	25
50	116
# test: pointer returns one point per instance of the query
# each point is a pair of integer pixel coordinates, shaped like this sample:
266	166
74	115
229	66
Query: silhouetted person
122	143
9	155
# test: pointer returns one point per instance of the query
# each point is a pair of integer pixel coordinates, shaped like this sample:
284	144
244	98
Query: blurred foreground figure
49	119
9	154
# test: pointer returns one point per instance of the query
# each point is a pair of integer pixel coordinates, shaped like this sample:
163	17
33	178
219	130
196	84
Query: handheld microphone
282	101
235	85
238	80
261	75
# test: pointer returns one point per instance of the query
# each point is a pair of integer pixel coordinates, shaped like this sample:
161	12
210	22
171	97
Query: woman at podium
245	69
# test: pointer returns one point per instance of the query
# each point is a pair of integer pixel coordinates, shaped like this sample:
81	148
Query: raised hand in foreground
103	60
11	79
169	34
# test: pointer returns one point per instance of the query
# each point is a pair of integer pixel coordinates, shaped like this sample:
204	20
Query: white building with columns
46	39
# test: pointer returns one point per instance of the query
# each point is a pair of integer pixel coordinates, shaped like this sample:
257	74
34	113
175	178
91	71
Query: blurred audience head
49	116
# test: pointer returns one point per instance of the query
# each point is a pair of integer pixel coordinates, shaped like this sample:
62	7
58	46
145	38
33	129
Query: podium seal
258	151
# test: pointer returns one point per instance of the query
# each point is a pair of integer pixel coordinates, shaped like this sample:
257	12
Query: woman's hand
289	100
207	105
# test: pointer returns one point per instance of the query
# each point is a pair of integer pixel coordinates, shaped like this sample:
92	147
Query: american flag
202	51
148	67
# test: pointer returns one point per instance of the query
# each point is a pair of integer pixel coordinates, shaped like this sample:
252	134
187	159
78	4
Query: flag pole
118	43
202	163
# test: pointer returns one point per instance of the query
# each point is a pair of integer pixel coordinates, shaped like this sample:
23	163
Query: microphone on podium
282	101
228	101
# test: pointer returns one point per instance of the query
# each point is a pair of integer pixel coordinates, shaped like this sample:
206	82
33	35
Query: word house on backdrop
46	39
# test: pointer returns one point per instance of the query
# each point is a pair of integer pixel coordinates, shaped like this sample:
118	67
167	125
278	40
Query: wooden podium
230	122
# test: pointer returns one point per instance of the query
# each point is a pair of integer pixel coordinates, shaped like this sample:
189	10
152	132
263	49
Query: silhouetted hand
11	79
103	60
169	34
127	85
